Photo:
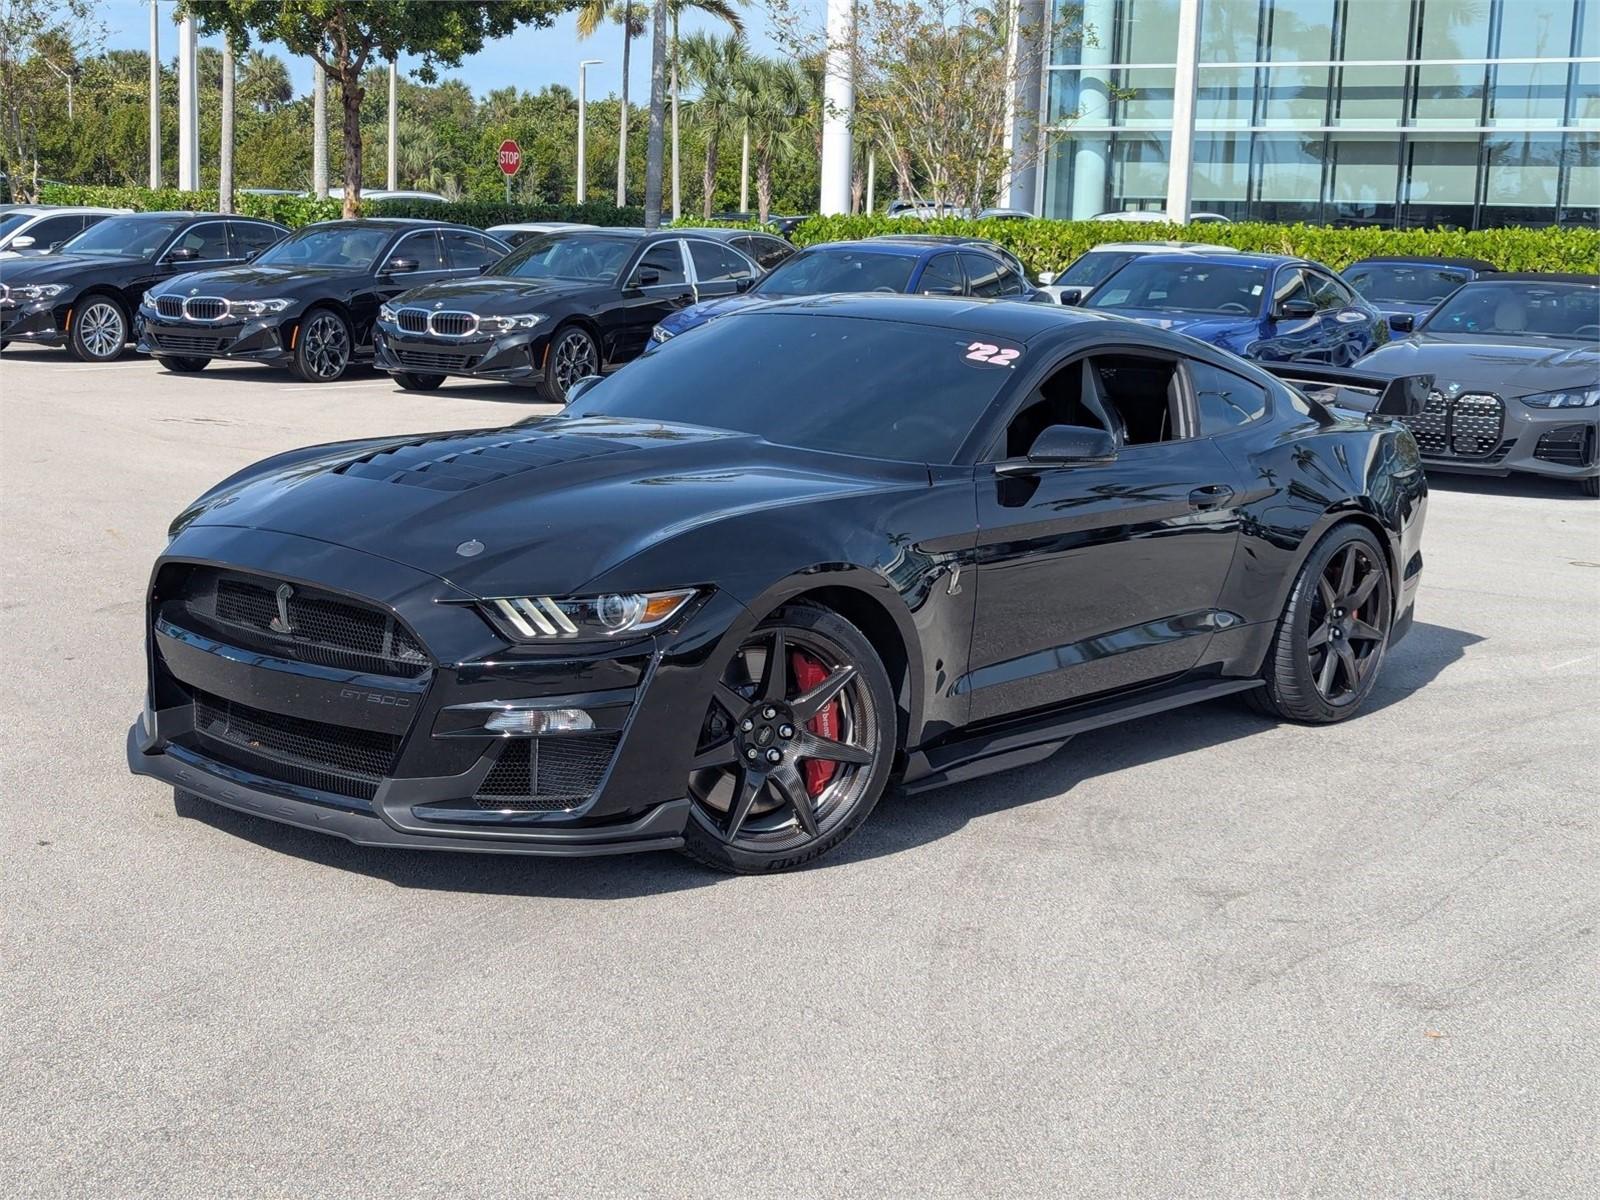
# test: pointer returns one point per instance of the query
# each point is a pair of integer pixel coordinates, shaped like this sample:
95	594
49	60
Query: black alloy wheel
99	330
796	747
1331	641
322	350
413	382
183	365
571	356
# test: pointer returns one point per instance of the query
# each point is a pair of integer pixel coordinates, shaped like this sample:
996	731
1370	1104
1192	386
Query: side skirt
1020	743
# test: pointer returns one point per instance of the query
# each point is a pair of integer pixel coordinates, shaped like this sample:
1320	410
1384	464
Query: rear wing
1357	391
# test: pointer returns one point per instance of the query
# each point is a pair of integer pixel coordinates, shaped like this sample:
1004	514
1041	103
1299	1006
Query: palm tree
264	82
632	16
775	96
722	10
716	66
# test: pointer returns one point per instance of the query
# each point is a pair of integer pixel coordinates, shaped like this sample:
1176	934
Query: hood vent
456	464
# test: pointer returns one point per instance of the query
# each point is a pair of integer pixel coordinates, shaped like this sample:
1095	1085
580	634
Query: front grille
547	774
1467	426
322	628
435	360
205	308
187	343
329	758
170	307
453	324
1567	445
413	320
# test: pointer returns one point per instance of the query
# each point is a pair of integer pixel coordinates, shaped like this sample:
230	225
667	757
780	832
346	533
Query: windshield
1404	283
1095	267
9	222
1195	287
815	272
584	258
125	237
351	247
1520	309
911	392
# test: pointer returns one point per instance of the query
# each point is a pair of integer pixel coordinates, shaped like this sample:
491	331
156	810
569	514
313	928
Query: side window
1141	395
54	229
466	251
768	251
424	247
1059	400
1327	293
209	241
665	260
1290	285
1226	401
250	238
1011	283
983	274
718	264
941	277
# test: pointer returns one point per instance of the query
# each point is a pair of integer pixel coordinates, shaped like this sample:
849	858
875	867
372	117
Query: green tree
344	35
264	82
714	65
40	43
726	11
775	98
632	17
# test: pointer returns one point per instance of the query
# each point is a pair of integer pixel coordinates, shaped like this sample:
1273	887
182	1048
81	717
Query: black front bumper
34	323
264	340
509	358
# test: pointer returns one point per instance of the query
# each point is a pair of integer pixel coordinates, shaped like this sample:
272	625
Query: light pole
839	107
583	116
65	76
188	109
394	124
155	97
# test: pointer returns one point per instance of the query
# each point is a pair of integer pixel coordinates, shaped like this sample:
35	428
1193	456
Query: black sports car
82	296
558	308
919	538
1516	359
308	303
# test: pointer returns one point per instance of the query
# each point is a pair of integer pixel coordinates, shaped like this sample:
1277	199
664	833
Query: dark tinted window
1226	401
1521	308
1290	285
1182	287
768	251
251	238
790	368
54	229
1093	267
208	240
468	251
354	247
718	264
983	274
813	272
584	257
941	277
424	247
1328	293
666	260
125	237
1404	284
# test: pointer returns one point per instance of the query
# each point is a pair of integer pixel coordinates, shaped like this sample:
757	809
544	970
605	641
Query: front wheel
99	330
183	365
413	382
571	355
322	350
1325	656
796	747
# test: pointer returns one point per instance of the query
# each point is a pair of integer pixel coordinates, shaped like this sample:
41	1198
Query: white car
32	229
1093	267
337	193
1161	218
515	235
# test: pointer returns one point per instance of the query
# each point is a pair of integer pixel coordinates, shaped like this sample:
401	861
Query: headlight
257	308
546	618
148	300
507	324
38	291
659	334
1571	398
387	313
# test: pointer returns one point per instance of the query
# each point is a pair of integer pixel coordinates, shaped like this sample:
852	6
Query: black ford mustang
735	590
308	303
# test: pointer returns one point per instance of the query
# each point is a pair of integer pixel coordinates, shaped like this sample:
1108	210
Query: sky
528	59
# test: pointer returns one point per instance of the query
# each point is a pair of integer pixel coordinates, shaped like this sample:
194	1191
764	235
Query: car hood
1507	366
52	268
250	281
551	503
1205	326
493	295
708	310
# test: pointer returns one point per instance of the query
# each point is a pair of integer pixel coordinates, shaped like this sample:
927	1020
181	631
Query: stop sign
510	156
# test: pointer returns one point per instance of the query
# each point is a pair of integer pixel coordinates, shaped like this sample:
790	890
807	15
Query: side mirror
1072	295
1294	310
399	266
1047	277
744	285
1402	322
486	268
646	277
182	254
1063	446
581	386
23	242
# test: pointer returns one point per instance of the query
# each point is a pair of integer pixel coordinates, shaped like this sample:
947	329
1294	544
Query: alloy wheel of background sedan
325	346
101	329
787	749
571	358
1349	623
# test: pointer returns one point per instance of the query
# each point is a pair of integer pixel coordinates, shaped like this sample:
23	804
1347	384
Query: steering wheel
1233	306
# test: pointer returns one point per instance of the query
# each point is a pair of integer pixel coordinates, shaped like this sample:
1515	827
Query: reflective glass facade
1473	113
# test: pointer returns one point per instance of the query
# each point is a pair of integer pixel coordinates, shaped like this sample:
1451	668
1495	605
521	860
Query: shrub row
302	210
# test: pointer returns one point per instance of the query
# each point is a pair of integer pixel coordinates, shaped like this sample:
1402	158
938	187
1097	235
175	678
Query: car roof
395	223
1015	319
1538	277
1164	248
1427	260
1235	259
721	233
910	247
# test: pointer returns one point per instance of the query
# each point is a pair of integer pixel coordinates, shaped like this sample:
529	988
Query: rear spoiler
1357	391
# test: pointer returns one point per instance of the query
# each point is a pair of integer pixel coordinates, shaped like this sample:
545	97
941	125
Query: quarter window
767	251
424	247
250	239
1225	400
718	264
1328	294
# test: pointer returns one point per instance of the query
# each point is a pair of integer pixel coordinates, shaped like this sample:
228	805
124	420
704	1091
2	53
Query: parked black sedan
308	303
739	587
82	296
559	307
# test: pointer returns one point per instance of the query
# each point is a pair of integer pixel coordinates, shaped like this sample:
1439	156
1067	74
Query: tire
183	365
1591	486
1329	646
323	347
570	355
99	329
417	383
749	815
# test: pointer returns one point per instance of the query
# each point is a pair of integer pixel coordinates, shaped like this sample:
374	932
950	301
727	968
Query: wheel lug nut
769	712
774	756
751	754
786	731
747	725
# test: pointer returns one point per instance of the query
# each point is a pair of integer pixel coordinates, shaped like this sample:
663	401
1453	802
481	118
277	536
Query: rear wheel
99	330
1330	643
322	349
572	354
184	365
417	383
796	746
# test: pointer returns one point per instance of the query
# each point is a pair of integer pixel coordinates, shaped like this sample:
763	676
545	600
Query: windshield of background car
1520	309
820	271
1183	287
1393	283
348	247
878	389
125	237
1092	268
578	257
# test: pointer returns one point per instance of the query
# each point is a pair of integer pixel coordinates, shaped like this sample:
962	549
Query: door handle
1213	495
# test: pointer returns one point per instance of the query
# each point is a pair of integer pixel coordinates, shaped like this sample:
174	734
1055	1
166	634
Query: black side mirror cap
182	254
485	268
1073	295
744	285
1063	446
1402	322
646	278
398	266
1294	310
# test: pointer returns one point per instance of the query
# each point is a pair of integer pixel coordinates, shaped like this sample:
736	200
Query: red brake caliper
808	673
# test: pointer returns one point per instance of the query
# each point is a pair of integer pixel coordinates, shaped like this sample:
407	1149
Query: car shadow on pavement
1525	487
902	821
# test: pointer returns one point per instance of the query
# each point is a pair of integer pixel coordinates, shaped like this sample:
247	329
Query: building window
1523	174
1528	95
1364	176
1288	177
1441	182
1222	173
1580	200
1147	31
1229	30
1224	96
1535	29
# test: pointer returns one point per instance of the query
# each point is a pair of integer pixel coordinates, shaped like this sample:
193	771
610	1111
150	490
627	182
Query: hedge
302	210
1045	245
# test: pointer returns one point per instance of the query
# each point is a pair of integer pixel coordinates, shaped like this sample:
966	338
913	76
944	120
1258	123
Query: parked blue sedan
914	265
1263	306
1407	289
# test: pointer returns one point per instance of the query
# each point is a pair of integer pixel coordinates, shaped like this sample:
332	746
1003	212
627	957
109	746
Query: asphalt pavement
1200	955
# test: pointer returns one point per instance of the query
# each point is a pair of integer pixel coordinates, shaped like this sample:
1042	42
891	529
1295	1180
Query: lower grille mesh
330	758
436	360
547	774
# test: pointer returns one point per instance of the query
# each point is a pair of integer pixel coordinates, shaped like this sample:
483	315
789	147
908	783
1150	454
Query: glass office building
1472	113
